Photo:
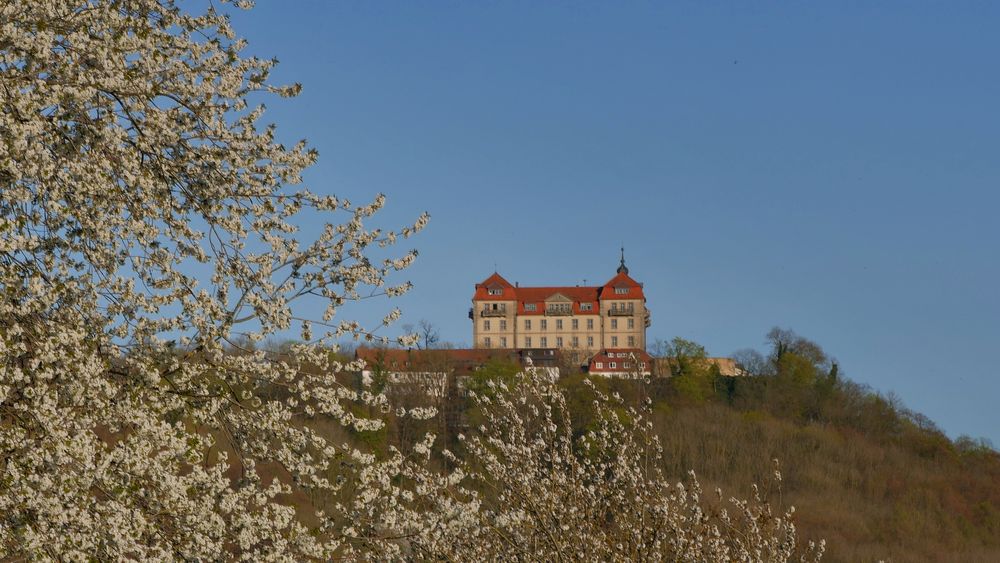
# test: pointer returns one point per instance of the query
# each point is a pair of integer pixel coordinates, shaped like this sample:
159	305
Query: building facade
584	318
628	363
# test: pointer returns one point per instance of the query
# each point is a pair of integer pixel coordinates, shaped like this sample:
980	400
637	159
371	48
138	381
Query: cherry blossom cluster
149	236
525	487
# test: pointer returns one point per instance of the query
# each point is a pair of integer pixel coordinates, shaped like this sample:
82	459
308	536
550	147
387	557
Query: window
530	307
527	324
527	342
621	290
586	306
590	324
558	324
545	342
631	323
486	342
612	365
503	325
614	341
503	341
576	324
599	365
495	291
486	325
642	365
625	365
558	342
545	324
631	342
590	342
614	306
576	342
614	323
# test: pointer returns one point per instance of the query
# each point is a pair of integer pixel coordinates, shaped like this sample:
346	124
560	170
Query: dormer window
621	290
495	291
558	309
586	306
530	307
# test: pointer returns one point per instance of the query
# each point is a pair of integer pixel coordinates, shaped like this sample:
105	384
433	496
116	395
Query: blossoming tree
146	233
149	236
523	487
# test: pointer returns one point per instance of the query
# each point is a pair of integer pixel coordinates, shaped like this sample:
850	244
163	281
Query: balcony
558	311
621	312
500	312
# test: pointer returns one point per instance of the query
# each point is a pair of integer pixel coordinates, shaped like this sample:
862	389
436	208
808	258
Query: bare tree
752	362
784	340
429	334
659	348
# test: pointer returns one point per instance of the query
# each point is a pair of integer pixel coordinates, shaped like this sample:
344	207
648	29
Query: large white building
585	318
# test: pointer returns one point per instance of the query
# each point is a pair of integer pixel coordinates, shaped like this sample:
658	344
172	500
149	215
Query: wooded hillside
874	479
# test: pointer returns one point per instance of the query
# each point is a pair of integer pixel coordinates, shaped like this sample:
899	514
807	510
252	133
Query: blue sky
826	167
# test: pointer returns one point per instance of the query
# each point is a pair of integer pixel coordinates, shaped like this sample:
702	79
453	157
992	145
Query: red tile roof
576	294
538	295
495	281
463	360
622	281
631	355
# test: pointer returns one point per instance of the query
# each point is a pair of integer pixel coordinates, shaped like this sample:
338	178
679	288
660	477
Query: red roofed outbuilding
621	362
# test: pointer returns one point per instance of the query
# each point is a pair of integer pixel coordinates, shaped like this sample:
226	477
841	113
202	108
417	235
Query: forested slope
874	479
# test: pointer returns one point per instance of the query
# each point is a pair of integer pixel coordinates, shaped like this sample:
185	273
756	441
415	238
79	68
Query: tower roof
623	269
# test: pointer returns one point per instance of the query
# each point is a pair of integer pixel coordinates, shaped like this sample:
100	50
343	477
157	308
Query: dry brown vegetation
876	481
870	497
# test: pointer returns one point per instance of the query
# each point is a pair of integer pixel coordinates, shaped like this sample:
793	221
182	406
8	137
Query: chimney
517	284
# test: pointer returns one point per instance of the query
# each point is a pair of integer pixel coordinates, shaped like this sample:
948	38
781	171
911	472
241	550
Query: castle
584	318
597	329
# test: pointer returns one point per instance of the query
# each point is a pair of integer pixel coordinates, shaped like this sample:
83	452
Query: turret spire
622	269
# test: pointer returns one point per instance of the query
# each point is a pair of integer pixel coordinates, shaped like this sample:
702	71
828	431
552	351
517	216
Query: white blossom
148	238
525	488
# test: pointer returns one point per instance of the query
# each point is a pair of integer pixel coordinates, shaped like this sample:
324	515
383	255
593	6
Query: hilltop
876	480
